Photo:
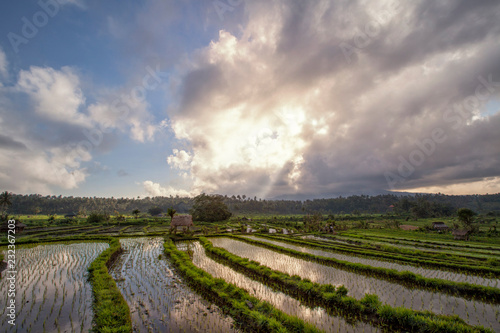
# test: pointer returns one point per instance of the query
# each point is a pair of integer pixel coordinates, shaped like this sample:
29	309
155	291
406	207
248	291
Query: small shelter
19	227
461	234
440	226
70	216
182	221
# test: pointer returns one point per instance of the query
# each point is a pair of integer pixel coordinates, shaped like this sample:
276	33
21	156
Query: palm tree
5	201
171	212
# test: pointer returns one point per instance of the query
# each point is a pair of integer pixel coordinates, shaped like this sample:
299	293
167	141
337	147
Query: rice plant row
428	273
473	312
251	313
368	309
158	299
52	294
481	268
314	315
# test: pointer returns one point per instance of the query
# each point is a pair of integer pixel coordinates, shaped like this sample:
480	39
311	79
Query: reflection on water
159	300
473	312
52	292
317	316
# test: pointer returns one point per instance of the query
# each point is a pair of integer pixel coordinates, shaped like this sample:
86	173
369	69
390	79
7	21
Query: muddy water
317	316
159	300
473	312
53	294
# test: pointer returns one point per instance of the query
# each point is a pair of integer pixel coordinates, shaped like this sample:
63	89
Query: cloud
3	64
179	160
329	97
49	134
56	94
155	189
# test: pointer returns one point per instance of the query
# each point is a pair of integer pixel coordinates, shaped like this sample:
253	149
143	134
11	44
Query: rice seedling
158	299
46	275
426	272
389	293
315	315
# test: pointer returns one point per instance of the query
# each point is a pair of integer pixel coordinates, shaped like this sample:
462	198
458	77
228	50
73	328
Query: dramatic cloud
54	148
343	97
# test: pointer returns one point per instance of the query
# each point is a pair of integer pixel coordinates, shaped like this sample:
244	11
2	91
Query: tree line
420	205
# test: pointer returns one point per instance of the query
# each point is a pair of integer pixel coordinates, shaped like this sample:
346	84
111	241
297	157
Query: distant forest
420	205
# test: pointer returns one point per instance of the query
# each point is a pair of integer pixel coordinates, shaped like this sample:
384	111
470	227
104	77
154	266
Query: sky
267	98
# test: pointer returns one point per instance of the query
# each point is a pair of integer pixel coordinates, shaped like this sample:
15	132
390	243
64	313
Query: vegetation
154	211
249	311
98	217
438	205
171	212
111	311
335	298
210	208
460	289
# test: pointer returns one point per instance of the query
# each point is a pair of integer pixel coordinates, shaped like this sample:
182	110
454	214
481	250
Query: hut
182	221
70	216
19	227
440	226
461	234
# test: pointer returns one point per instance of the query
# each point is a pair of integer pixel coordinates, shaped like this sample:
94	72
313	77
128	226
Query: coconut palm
5	201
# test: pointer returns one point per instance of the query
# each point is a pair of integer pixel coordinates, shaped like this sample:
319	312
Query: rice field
53	294
159	300
426	272
316	316
473	312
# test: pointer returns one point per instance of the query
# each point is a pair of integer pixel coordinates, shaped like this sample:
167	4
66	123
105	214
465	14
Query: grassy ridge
255	315
425	241
367	309
435	263
435	251
111	311
409	279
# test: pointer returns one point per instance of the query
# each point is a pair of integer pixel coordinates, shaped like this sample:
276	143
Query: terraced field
473	312
53	294
315	315
159	300
426	272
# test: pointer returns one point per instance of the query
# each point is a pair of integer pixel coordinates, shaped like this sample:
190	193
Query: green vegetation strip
111	312
251	313
420	241
442	265
437	252
368	309
408	279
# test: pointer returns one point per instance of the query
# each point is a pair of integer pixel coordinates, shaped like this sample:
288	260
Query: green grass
368	309
409	279
248	311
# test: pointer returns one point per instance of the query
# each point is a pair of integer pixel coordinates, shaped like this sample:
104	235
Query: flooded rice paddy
159	300
317	316
473	312
52	292
426	272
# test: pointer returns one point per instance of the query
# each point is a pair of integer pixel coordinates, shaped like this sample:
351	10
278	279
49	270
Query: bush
97	217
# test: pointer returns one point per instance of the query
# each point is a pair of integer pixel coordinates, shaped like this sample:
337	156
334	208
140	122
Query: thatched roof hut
4	226
182	221
439	226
